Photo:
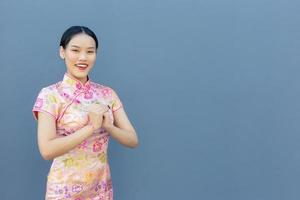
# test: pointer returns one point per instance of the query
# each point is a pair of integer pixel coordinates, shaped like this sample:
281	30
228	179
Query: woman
76	118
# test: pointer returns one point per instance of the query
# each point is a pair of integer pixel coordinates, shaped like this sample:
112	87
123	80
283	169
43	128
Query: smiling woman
79	55
76	118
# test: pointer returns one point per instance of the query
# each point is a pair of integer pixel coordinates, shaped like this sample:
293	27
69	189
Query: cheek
70	61
71	57
91	62
92	59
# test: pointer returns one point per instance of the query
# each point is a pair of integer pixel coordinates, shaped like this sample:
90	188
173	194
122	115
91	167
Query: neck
82	80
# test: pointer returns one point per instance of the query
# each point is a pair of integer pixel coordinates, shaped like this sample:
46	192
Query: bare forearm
124	137
59	146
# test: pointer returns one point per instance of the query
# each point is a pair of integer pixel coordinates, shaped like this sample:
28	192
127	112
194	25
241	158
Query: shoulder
107	92
47	101
103	89
51	90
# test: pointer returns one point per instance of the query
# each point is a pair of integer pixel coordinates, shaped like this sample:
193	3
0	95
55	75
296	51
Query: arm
122	130
50	145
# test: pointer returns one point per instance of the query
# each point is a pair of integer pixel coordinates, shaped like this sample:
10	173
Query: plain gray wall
212	88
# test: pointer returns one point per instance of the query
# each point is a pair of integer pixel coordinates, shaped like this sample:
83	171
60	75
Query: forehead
82	40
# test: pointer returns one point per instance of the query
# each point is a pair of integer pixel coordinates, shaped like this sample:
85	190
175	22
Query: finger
106	108
103	109
106	114
98	109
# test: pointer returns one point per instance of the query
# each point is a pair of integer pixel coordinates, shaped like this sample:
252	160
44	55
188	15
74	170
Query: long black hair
74	30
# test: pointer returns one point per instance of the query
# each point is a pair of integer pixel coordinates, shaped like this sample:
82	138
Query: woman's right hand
95	114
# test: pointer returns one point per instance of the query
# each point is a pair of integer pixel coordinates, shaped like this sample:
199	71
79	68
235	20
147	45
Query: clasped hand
99	116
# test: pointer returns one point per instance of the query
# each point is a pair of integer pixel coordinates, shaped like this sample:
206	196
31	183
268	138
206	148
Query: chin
81	75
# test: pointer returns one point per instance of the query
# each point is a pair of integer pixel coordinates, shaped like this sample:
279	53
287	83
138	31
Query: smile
81	65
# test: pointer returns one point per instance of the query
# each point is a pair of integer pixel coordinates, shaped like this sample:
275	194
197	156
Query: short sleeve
116	104
46	102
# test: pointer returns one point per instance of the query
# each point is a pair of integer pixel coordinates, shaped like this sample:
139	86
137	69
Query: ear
62	52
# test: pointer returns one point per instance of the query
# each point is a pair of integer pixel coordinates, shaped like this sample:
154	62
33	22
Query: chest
73	113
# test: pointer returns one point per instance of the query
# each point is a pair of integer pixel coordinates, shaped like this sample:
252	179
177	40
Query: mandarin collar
76	84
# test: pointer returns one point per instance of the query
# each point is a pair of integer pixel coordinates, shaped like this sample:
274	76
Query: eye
75	50
90	52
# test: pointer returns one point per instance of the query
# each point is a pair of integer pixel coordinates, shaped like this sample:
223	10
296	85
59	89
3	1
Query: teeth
81	65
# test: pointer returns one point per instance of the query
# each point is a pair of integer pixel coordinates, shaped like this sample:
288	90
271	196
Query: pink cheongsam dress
83	173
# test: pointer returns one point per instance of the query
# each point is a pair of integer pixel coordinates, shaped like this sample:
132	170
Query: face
79	56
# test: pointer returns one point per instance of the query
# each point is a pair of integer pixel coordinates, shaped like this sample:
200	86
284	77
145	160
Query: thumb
106	115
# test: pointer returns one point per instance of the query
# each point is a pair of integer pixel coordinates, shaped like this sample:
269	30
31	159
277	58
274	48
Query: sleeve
116	102
46	102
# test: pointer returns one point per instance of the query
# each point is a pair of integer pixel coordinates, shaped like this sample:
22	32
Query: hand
95	114
107	121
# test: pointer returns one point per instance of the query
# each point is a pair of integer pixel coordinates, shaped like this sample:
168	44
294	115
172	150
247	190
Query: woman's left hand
107	122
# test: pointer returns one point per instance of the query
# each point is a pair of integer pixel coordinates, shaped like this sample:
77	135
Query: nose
82	56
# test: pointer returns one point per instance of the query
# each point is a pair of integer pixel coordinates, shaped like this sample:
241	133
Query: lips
81	66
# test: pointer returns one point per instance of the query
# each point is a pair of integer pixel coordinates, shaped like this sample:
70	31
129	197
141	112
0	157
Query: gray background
212	88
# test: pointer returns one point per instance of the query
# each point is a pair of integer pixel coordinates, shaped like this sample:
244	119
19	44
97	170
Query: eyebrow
79	47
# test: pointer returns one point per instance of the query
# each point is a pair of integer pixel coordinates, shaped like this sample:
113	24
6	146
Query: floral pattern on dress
83	172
